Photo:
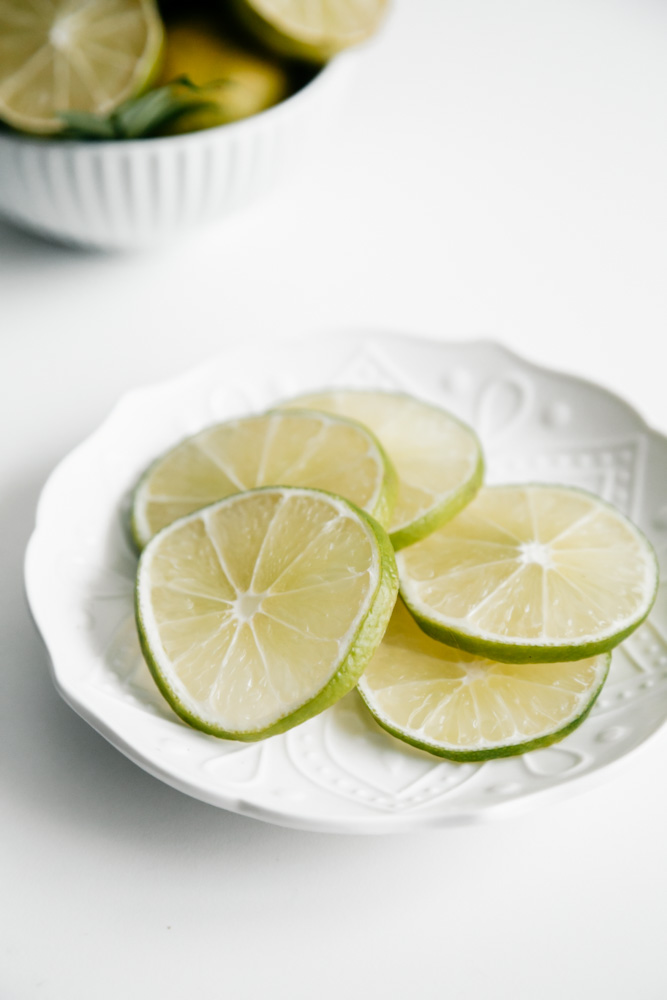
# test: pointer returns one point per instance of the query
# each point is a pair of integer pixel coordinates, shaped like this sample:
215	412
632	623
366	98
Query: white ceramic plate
340	771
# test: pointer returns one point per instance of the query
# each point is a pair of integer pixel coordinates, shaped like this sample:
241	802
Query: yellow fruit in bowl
235	82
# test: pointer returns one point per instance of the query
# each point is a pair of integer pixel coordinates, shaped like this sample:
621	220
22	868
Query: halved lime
275	449
437	457
315	30
531	573
464	707
74	55
259	611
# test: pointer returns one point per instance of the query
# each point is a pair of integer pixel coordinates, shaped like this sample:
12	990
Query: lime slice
275	449
74	55
259	611
531	573
237	83
438	459
315	30
461	706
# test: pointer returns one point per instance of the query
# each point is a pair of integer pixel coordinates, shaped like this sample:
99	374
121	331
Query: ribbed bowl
129	194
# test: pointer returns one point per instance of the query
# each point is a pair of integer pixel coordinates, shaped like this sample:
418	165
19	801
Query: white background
500	170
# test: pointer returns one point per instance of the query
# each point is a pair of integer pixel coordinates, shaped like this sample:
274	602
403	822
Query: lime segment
464	707
541	573
263	609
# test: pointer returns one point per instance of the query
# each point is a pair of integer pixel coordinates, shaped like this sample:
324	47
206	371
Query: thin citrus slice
275	449
438	459
74	55
464	707
531	573
263	609
315	30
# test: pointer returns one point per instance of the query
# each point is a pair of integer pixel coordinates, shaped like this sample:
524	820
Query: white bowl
129	194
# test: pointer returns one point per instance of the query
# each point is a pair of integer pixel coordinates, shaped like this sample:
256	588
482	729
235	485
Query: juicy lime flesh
249	607
437	458
459	705
83	55
541	565
299	449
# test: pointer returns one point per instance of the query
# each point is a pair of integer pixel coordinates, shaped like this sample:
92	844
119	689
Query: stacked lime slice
259	607
467	707
267	580
438	458
259	611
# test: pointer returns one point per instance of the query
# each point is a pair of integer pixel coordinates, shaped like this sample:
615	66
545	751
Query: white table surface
499	171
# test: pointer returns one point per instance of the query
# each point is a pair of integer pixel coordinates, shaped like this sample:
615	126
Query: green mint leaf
85	125
138	117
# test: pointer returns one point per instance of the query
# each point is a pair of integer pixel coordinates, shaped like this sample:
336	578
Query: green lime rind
517	652
359	652
443	512
382	510
139	536
501	750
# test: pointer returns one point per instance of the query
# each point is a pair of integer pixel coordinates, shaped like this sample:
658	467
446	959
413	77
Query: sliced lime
259	611
464	707
531	573
315	30
438	458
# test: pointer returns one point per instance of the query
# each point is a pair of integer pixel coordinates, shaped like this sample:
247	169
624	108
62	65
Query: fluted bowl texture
130	194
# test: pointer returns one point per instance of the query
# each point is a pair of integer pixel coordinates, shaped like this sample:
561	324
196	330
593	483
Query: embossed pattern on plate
340	772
